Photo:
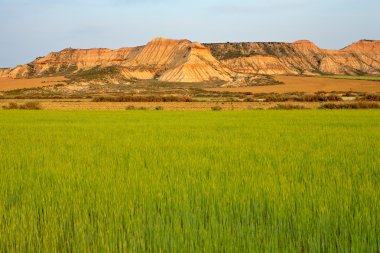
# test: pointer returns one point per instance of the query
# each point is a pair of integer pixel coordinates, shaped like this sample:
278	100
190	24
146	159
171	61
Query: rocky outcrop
184	61
300	57
4	72
163	59
197	64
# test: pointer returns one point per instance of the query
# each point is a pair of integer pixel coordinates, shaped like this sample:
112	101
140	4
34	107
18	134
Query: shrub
143	99
276	98
371	97
288	107
318	98
132	107
216	108
26	106
359	105
11	106
31	106
249	100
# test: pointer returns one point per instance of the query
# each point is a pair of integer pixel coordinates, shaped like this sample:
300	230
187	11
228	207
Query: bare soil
308	85
13	84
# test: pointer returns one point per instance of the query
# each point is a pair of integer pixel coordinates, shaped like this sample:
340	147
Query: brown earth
308	85
12	84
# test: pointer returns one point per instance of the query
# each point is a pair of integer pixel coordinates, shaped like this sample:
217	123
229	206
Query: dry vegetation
358	105
27	106
184	96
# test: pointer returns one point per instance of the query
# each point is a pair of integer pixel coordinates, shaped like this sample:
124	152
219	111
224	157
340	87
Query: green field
147	181
366	78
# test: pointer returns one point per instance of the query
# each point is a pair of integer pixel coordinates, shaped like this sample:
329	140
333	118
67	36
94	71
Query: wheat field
160	181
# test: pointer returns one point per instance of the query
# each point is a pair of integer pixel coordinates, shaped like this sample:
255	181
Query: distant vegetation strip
33	105
366	78
357	105
143	99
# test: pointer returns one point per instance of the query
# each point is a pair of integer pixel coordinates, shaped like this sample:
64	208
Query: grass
367	78
159	181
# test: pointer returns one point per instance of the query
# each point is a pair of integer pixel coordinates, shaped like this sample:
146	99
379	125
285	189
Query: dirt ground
291	84
309	85
13	84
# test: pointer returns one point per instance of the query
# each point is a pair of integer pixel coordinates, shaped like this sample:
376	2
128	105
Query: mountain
185	61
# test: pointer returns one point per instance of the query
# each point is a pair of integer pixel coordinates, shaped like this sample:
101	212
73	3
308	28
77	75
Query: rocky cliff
162	59
184	61
300	57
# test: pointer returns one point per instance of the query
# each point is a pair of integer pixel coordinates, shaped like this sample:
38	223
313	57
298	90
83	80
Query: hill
185	61
299	58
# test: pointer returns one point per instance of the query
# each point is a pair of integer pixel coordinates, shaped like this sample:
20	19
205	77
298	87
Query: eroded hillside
185	61
162	59
300	57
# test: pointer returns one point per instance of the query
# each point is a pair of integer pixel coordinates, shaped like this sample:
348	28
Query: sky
33	28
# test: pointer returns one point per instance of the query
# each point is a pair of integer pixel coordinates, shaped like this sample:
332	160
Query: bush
26	106
11	106
31	106
371	97
318	98
288	107
359	105
249	100
132	107
216	108
143	99
276	98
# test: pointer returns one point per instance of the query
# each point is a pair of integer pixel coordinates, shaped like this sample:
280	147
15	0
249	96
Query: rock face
197	64
300	57
163	59
184	61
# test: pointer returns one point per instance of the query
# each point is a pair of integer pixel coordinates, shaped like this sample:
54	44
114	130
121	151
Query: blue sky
32	28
